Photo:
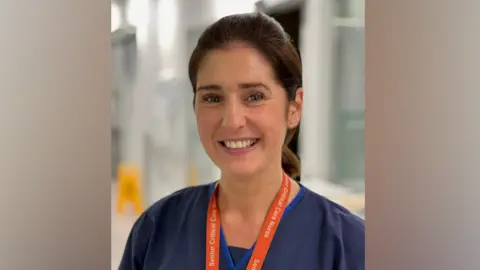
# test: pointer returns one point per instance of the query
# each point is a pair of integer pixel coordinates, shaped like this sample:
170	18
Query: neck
249	196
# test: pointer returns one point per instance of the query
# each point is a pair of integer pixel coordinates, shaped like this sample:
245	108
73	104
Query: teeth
239	144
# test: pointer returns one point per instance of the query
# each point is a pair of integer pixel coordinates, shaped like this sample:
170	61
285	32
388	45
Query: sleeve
354	244
137	244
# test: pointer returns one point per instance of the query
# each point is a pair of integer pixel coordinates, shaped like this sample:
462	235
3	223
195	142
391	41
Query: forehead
236	64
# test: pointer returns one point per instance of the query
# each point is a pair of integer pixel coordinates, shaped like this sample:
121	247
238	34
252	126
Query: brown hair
268	36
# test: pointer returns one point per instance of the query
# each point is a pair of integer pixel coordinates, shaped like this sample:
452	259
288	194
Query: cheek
206	123
273	123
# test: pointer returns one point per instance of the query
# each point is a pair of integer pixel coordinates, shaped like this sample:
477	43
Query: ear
295	110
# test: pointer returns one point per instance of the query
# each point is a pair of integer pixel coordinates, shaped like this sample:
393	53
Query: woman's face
241	110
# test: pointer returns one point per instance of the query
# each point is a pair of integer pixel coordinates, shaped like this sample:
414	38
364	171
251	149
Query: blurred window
348	93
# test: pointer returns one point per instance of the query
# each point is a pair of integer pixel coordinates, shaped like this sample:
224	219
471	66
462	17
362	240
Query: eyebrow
216	87
208	87
253	85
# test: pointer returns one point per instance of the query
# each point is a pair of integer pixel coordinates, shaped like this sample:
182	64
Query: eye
255	97
211	99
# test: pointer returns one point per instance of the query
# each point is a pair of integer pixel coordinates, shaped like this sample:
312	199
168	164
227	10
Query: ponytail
290	161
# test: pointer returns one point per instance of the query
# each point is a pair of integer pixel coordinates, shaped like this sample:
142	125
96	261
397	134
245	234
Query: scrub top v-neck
314	234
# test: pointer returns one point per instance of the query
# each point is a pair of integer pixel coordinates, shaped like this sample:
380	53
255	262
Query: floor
121	225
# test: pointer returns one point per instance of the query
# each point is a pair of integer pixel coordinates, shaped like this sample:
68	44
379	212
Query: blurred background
153	125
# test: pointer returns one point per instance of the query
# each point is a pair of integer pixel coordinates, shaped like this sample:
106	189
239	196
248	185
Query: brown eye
256	97
211	99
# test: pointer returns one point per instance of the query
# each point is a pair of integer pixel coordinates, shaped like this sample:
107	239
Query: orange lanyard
266	235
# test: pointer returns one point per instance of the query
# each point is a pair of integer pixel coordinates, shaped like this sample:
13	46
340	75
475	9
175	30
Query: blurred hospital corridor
121	226
153	122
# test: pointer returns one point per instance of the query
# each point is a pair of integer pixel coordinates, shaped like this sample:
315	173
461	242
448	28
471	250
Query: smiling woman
257	73
247	81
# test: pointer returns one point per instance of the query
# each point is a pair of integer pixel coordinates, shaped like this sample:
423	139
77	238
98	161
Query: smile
240	144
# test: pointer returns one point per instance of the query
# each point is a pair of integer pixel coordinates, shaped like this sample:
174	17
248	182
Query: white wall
316	35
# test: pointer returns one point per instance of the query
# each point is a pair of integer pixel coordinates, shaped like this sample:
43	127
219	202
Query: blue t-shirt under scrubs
314	234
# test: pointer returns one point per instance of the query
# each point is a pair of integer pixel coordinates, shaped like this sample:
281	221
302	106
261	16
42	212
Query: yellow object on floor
193	175
129	188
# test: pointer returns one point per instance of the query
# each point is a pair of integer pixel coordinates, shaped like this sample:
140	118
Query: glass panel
349	107
349	8
343	8
124	53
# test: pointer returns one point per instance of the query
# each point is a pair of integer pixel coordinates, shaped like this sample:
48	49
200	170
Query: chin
239	169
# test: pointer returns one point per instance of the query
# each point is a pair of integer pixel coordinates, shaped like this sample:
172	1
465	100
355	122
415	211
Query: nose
233	115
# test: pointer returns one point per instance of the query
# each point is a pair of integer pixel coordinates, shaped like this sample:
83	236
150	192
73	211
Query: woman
246	78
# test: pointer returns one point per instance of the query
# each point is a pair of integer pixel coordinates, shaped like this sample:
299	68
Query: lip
239	139
238	151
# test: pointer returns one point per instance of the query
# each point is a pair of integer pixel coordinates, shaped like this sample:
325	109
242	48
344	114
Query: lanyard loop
265	237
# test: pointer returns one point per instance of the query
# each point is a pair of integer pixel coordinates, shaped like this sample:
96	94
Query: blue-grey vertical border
55	96
422	134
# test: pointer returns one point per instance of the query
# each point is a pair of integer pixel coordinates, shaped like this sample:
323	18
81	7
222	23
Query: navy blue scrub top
314	234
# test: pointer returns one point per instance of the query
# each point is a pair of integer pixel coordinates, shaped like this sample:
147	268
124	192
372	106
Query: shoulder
178	203
336	214
175	208
344	228
332	208
162	216
180	200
